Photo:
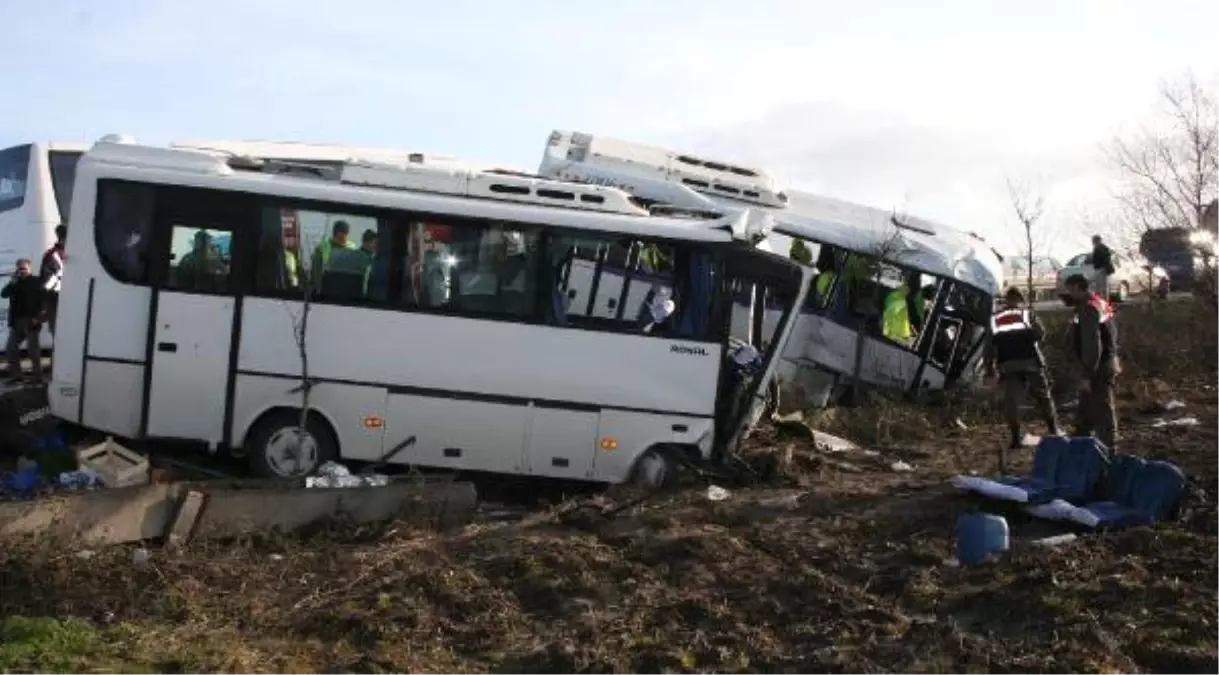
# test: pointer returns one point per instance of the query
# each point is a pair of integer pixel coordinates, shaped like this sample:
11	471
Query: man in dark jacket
50	273
1102	262
1014	351
1094	346
25	306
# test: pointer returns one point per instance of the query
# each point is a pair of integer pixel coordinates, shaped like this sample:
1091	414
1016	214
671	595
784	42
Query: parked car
1131	275
1045	278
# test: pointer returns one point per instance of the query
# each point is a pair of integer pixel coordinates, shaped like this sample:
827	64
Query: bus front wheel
657	469
277	449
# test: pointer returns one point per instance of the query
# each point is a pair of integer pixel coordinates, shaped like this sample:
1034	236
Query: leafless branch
1028	202
1169	171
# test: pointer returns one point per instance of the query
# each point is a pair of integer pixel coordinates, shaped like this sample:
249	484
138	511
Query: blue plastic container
979	535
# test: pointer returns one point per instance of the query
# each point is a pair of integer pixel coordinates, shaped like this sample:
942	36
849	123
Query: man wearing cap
1094	346
1014	352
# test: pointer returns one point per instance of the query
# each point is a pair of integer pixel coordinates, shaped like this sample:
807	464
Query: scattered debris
85	554
901	467
79	479
1056	540
961	424
1180	422
717	494
335	475
786	502
978	535
140	556
114	465
1171	405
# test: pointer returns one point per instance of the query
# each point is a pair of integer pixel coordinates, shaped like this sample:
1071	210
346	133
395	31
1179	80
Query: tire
656	469
269	450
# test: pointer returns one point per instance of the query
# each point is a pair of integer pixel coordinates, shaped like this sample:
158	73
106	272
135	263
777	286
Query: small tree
308	281
1029	205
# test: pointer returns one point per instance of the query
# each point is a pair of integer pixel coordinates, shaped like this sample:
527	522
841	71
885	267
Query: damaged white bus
861	256
456	330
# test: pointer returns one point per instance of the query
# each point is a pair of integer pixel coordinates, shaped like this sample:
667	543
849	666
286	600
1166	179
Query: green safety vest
895	323
325	248
822	285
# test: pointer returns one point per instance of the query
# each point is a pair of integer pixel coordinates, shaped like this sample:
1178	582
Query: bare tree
1029	205
871	305
1170	171
308	281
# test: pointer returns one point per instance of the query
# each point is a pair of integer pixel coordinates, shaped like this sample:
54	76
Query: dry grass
836	564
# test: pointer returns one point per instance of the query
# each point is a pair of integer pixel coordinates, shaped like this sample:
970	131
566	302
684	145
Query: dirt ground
828	562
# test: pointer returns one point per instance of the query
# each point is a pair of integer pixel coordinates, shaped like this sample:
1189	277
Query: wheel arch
276	409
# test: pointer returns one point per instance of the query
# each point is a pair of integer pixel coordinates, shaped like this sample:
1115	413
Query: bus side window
198	259
124	229
477	267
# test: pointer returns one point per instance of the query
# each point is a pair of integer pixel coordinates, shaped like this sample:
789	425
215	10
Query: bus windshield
14	167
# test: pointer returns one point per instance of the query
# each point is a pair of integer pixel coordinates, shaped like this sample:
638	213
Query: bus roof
697	182
323	152
419	185
54	146
904	240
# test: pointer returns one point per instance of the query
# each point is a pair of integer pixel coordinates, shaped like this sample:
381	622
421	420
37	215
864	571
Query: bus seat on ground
1063	468
1137	492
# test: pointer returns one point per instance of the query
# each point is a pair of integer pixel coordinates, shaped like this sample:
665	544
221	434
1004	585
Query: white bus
459	336
954	275
35	192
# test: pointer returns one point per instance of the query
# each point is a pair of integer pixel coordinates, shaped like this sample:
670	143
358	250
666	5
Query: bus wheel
277	450
656	469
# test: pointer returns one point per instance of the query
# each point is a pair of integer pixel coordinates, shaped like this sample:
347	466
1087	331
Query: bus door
751	364
953	335
191	334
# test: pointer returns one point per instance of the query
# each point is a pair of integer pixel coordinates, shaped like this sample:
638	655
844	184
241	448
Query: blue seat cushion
1063	468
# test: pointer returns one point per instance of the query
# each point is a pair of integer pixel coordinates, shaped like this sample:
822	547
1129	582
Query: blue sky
917	106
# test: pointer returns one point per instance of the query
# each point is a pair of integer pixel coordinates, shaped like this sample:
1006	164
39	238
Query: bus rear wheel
277	449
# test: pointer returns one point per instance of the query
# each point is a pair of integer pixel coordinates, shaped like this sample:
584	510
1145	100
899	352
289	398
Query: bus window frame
923	346
17	202
242	279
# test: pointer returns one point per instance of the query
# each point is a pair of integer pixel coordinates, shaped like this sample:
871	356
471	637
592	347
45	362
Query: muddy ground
828	562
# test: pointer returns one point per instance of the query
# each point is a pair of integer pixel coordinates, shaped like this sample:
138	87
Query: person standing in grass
1014	352
1094	347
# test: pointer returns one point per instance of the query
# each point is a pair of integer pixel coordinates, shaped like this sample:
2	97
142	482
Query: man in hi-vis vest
1014	352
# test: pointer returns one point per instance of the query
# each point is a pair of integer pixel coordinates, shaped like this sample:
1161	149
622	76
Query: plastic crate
114	465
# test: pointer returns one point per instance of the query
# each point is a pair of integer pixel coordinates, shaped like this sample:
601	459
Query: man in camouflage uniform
1014	351
1094	346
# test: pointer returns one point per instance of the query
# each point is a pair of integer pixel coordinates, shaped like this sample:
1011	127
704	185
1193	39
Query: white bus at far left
35	193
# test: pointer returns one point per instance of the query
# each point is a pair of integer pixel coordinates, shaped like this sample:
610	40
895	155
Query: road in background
1057	306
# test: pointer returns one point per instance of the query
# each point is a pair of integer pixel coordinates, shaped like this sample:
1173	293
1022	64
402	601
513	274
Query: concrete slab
232	509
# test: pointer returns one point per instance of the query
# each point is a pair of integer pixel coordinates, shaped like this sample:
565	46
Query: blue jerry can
979	535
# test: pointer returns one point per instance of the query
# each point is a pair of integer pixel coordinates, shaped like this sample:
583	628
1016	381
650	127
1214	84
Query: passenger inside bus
346	275
202	268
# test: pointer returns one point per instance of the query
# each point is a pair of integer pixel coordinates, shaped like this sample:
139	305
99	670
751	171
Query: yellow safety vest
895	323
290	268
822	285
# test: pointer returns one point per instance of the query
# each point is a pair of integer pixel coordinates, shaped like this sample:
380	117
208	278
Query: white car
1131	275
1045	269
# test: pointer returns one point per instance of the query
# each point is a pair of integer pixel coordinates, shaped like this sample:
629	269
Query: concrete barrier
231	509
